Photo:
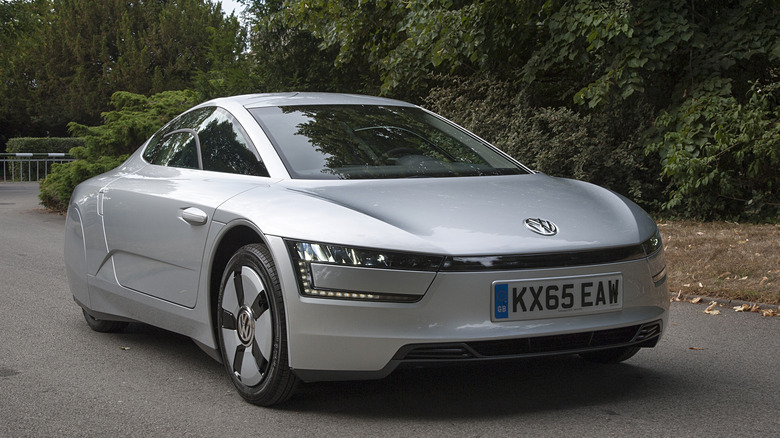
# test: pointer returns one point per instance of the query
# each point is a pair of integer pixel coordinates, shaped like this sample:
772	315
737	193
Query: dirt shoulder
723	259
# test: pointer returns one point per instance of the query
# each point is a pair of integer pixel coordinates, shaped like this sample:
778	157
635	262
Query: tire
103	326
251	325
613	355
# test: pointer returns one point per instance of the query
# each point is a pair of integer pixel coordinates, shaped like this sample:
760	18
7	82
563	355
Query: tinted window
368	141
179	150
224	146
167	150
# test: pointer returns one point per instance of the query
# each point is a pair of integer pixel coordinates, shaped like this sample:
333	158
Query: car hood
456	216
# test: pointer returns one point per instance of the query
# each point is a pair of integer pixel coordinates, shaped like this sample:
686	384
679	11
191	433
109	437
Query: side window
178	149
155	149
225	147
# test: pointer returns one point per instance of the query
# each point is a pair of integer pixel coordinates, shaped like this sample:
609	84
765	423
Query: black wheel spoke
262	363
239	284
228	320
260	304
238	359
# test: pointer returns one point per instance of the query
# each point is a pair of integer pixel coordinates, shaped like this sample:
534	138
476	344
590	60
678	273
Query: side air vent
443	352
648	331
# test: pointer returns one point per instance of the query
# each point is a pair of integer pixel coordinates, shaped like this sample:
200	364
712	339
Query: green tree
84	50
711	71
288	57
18	22
405	44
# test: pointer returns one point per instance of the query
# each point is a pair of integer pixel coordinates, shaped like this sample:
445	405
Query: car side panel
156	249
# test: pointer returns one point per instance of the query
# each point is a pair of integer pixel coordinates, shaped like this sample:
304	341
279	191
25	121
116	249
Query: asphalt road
709	376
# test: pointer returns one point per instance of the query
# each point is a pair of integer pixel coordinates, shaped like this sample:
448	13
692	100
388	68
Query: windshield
371	141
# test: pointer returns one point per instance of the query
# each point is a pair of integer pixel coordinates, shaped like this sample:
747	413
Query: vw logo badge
541	226
245	326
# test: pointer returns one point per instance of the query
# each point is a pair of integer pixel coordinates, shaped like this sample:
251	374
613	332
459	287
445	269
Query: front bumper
341	340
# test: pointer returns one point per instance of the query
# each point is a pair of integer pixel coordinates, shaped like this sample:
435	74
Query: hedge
43	144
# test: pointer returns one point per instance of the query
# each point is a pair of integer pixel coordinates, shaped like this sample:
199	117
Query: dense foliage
674	104
286	56
711	72
601	147
67	57
41	145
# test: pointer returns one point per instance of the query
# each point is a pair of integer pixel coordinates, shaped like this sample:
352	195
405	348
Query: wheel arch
75	256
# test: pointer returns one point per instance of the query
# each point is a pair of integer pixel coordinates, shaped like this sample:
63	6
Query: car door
157	219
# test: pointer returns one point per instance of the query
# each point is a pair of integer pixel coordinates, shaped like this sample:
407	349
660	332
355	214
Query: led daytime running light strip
308	290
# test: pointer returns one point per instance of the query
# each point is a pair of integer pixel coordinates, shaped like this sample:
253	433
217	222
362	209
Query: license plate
513	300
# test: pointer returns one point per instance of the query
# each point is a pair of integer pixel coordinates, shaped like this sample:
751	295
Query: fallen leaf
679	294
696	300
696	348
769	312
744	278
700	285
124	348
755	308
742	308
763	280
711	310
723	275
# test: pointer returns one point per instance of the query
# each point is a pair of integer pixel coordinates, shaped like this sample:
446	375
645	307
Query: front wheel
252	328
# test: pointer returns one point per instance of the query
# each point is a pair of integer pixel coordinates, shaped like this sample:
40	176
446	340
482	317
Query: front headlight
653	248
341	272
652	244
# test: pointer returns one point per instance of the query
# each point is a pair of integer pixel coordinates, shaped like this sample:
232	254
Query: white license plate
513	300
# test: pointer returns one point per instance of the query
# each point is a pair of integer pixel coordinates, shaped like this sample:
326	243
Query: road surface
709	376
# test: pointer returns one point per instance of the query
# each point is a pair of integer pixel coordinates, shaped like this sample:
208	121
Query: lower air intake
540	345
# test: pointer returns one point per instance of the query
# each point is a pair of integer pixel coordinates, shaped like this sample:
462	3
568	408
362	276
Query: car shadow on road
475	390
485	390
144	342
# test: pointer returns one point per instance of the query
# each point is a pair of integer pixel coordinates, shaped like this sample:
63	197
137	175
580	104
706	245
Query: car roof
297	99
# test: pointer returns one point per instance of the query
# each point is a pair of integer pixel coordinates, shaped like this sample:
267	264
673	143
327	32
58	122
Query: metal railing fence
27	167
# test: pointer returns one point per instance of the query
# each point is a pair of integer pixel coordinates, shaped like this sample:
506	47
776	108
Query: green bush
56	189
601	146
722	156
41	145
134	120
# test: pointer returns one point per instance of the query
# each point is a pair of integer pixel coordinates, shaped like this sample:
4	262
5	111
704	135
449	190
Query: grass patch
723	259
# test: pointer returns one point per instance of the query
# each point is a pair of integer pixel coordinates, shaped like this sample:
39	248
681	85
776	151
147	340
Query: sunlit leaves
711	309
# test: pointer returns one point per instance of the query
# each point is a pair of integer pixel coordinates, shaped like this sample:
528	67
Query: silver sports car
310	236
